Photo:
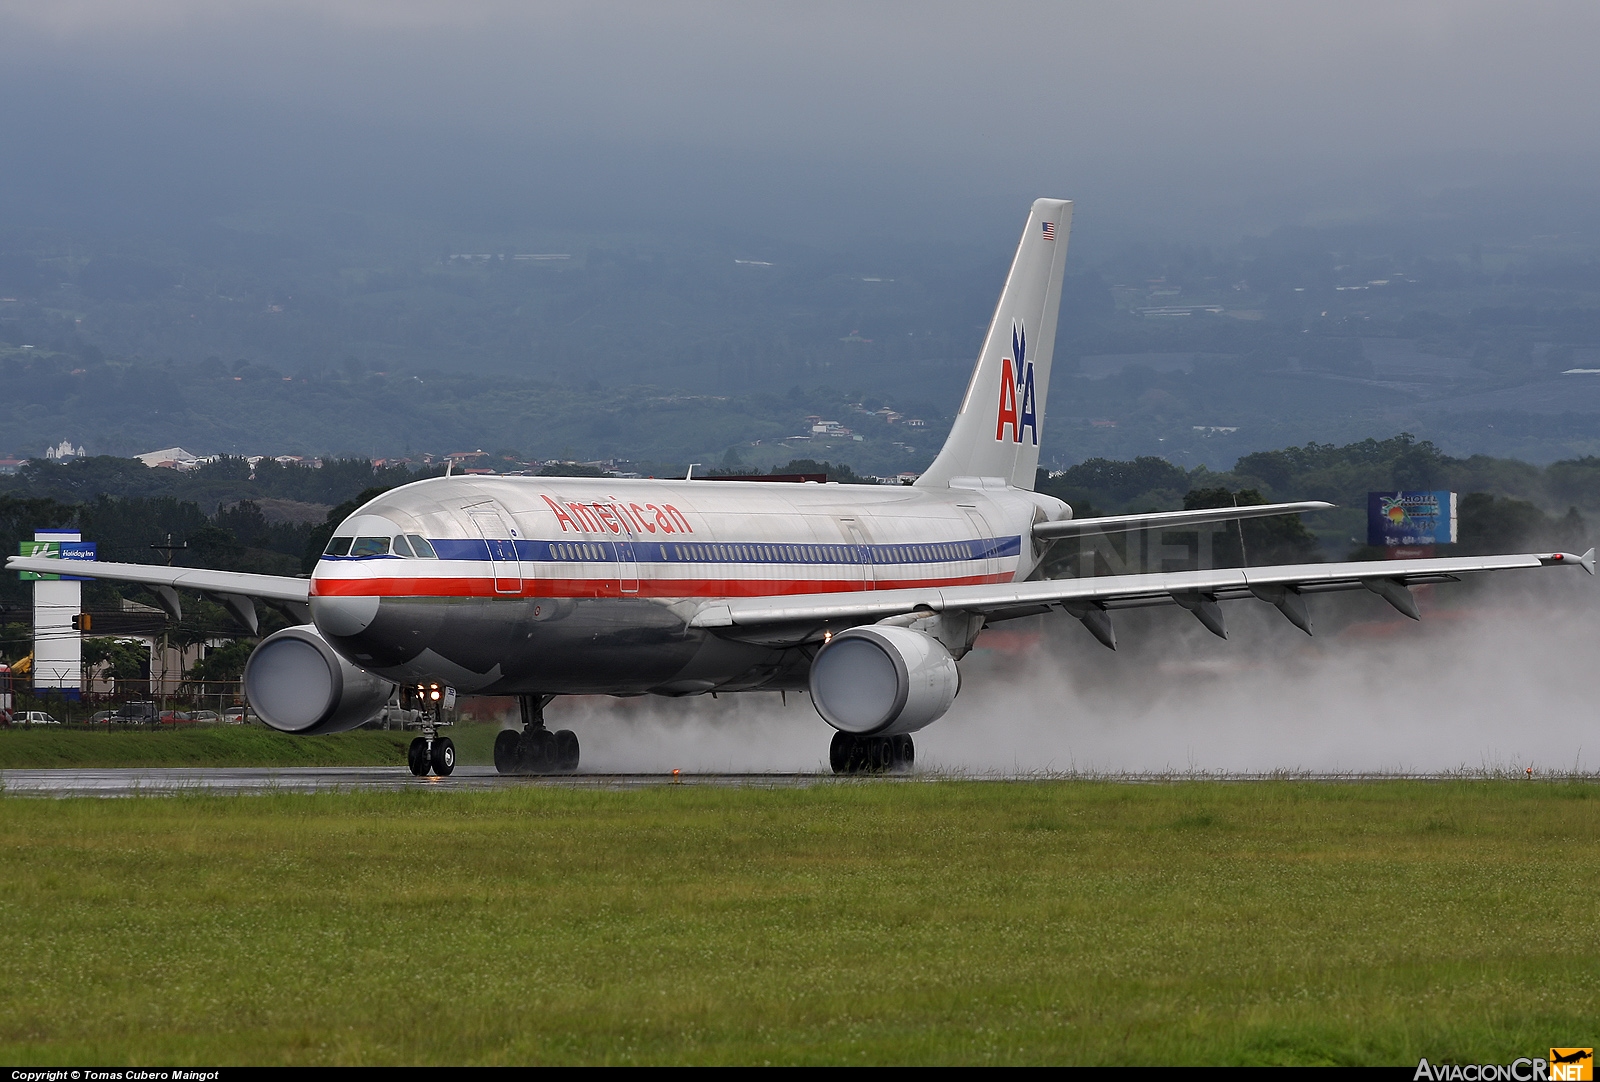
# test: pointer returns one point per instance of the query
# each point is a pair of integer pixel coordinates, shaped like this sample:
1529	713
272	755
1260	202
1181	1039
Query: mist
1493	682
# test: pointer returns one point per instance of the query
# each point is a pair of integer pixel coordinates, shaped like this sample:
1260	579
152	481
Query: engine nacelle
297	684
883	680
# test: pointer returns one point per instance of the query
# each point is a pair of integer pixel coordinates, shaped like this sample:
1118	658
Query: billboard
55	550
1411	518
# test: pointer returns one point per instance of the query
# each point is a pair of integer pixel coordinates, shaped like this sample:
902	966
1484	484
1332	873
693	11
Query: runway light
676	779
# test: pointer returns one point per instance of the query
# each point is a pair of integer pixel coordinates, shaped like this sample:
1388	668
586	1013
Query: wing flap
266	587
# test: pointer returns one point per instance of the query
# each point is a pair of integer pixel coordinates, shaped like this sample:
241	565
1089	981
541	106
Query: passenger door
627	557
987	562
495	529
861	552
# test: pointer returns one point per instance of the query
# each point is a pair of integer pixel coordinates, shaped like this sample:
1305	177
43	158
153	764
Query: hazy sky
791	113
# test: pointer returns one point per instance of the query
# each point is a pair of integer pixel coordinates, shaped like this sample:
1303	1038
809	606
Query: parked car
174	717
102	717
206	717
140	712
35	717
237	715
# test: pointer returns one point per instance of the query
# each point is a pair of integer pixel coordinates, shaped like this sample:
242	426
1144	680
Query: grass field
930	922
223	745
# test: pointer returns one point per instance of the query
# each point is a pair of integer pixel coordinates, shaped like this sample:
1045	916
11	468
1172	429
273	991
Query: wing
233	589
800	619
1169	520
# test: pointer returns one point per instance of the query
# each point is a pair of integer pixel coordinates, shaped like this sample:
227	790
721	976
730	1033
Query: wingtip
1586	560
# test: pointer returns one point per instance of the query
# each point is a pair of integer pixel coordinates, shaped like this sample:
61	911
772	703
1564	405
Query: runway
241	781
155	781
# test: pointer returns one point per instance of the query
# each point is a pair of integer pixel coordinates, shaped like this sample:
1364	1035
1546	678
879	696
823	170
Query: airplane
865	596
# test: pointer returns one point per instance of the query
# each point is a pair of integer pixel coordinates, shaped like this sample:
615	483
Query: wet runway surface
234	781
137	781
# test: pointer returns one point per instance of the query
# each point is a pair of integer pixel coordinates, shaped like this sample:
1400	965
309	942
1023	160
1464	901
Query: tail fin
996	434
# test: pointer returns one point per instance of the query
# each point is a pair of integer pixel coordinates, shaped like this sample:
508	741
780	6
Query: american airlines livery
865	596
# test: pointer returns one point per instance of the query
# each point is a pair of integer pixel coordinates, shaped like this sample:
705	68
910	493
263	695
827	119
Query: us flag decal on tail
1049	230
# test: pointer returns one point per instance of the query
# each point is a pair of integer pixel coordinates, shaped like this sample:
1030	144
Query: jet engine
883	680
297	683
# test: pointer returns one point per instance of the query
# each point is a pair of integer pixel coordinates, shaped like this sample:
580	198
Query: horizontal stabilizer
1170	520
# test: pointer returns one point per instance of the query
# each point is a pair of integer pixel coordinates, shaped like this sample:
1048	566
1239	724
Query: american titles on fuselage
599	517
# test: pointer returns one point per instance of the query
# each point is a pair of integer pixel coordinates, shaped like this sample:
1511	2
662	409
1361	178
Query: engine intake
298	684
883	680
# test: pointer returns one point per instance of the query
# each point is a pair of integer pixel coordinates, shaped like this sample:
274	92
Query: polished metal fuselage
588	585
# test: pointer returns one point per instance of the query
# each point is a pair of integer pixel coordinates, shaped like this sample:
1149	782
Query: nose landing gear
535	749
851	754
431	753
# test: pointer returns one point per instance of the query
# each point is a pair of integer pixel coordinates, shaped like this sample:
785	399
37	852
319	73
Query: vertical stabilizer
996	434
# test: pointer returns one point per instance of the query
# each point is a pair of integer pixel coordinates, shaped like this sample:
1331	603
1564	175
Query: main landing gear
851	754
535	750
431	753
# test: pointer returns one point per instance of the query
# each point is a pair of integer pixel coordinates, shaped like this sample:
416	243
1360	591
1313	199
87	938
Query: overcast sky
796	113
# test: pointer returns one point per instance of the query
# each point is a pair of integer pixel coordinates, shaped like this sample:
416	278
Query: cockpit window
402	547
370	546
338	546
420	546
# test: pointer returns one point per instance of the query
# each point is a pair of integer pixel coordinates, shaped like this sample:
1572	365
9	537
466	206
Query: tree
221	667
121	659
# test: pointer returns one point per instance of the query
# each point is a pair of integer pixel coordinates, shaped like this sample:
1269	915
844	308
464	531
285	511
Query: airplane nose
343	616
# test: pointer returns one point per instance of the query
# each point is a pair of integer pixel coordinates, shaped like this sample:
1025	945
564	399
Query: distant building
9	466
63	451
171	458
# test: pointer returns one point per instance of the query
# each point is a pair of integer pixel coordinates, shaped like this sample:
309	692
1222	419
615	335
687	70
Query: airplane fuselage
528	585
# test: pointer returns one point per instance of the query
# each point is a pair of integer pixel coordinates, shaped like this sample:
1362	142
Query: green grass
223	745
1268	923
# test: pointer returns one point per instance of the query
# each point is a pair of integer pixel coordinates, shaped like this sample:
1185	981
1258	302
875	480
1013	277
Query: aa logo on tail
1018	406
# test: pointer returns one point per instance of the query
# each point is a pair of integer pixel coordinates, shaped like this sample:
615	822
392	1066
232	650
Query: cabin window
338	546
370	546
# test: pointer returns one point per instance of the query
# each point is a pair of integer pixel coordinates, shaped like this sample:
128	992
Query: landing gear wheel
507	746
537	746
905	753
840	752
417	757
862	755
851	754
443	758
565	751
882	754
